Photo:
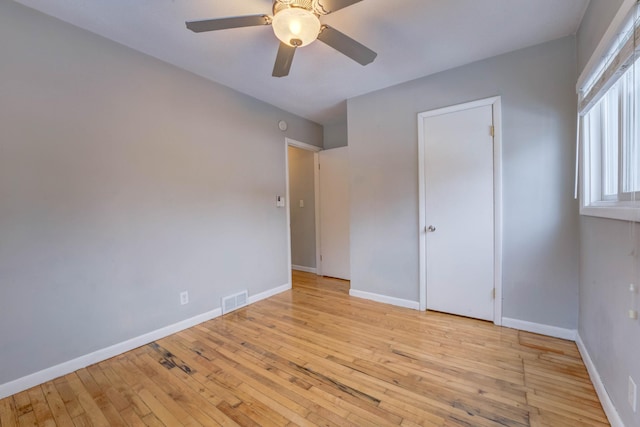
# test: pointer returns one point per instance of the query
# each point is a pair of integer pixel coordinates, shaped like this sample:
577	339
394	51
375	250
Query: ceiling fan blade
283	60
226	23
329	6
346	45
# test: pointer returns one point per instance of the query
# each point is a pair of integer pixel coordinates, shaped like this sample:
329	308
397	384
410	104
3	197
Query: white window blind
621	54
609	111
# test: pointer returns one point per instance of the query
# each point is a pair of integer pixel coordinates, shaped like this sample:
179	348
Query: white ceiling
413	38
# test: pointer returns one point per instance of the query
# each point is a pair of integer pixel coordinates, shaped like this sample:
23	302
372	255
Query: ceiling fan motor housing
314	6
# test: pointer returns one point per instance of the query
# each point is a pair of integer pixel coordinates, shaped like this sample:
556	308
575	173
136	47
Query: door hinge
492	131
320	257
493	293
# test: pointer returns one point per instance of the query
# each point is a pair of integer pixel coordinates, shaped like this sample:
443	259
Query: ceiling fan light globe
295	26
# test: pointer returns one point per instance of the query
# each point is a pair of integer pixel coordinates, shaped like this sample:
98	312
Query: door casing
288	142
495	102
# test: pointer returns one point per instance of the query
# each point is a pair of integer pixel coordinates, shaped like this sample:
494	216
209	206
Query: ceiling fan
296	23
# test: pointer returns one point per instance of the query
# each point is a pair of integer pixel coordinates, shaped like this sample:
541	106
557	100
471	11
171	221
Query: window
610	111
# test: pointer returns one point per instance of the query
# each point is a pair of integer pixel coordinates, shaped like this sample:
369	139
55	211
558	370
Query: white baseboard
73	365
305	269
385	299
607	403
539	328
269	293
48	374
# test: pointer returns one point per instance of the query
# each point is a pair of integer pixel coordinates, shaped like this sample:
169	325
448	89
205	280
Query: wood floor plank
150	420
22	403
316	356
41	408
8	412
293	392
574	412
124	390
177	388
98	394
25	415
91	407
161	404
282	376
57	406
70	400
553	419
132	419
246	386
116	399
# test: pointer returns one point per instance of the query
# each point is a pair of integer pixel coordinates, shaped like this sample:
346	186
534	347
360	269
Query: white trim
497	209
621	213
422	220
605	400
287	207
605	43
316	190
303	268
539	328
576	181
385	299
73	365
303	145
269	293
459	107
496	103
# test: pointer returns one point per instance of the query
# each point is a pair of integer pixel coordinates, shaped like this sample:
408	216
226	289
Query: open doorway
302	209
317	211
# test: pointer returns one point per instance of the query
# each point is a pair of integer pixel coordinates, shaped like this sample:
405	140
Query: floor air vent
235	301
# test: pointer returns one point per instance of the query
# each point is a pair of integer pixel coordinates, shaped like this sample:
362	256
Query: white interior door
459	212
334	213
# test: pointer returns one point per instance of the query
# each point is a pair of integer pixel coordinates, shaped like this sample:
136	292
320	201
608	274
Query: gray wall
594	24
540	273
303	219
335	135
607	267
123	181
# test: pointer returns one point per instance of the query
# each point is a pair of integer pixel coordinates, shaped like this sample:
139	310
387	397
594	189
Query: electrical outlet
184	297
633	394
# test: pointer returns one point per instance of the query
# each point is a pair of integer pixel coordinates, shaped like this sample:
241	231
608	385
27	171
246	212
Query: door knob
431	228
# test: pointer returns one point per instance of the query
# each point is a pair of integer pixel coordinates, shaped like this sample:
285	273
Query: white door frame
288	142
495	102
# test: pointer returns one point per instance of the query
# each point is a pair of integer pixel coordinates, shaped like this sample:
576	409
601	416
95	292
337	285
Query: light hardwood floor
315	356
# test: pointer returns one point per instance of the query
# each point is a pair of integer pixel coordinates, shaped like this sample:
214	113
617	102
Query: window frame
619	98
